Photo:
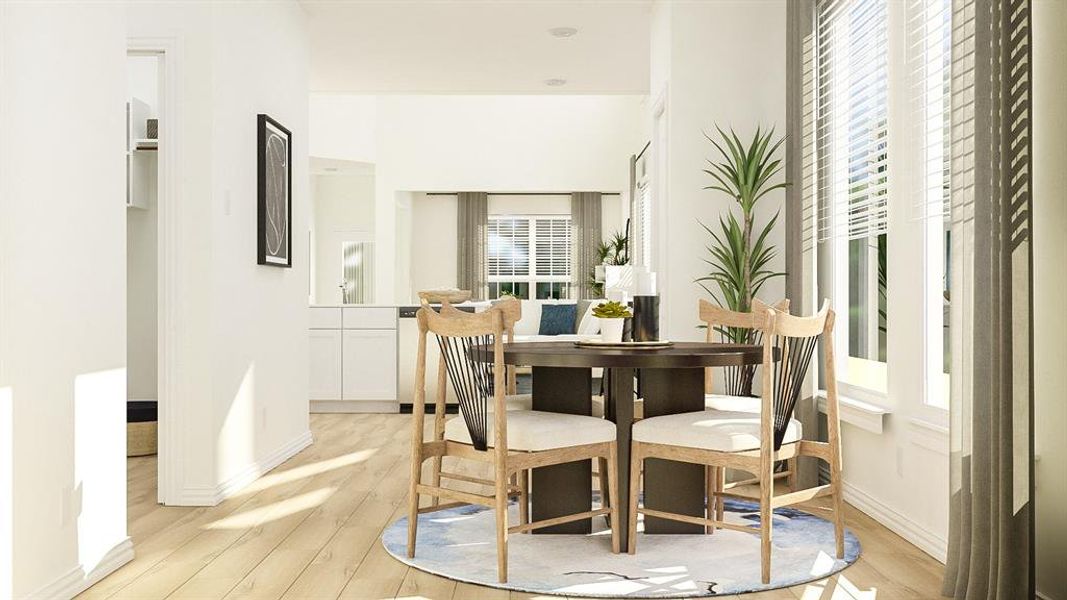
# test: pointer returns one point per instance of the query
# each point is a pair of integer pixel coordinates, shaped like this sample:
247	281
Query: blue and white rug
460	544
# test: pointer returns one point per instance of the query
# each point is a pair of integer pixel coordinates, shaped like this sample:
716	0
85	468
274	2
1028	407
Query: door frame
169	400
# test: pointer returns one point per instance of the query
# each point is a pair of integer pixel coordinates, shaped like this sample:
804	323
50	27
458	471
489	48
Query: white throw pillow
589	325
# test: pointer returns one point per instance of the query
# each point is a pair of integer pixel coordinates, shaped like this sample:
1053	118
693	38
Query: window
853	180
529	254
929	54
878	182
642	211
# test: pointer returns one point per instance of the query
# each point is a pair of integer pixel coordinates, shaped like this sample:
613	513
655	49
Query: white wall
241	339
62	296
713	63
343	211
1050	280
557	143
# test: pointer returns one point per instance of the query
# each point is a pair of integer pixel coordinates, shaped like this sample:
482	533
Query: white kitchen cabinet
325	369
369	364
353	353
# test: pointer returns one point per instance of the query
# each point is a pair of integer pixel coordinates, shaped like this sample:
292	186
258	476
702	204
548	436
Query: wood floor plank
194	520
272	540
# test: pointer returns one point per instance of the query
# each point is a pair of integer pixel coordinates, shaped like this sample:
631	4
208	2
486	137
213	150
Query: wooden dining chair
511	308
472	359
753	443
727	326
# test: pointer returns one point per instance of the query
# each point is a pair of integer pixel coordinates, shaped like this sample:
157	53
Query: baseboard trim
896	522
211	496
76	581
354	406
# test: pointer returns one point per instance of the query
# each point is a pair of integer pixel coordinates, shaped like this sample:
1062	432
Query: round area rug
460	544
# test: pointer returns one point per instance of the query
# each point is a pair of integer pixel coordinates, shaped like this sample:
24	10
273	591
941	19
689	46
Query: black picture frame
274	180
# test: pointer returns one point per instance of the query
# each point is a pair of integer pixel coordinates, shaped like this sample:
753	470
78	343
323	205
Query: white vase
611	330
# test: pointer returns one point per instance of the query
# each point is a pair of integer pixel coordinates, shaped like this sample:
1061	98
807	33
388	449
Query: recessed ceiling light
563	32
555	82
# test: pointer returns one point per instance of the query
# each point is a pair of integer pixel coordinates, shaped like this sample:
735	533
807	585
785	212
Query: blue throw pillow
558	319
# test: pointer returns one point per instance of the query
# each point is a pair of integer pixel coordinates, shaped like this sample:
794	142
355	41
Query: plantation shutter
509	247
851	48
552	247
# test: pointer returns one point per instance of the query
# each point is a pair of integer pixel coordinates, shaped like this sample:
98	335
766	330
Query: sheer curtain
991	523
585	237
471	241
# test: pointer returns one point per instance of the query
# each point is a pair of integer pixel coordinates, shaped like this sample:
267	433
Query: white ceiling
479	47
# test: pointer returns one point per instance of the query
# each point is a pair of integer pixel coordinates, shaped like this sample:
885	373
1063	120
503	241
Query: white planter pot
611	330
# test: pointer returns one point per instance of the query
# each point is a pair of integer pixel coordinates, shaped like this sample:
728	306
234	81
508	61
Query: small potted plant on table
612	317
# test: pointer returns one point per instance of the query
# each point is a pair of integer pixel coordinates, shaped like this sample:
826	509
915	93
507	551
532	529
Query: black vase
646	319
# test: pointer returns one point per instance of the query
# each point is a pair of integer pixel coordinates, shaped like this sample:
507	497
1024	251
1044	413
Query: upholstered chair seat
709	430
533	430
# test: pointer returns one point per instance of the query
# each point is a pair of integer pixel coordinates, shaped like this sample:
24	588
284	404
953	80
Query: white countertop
479	303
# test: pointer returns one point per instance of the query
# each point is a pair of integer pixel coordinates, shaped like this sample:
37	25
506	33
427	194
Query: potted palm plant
740	255
612	252
612	317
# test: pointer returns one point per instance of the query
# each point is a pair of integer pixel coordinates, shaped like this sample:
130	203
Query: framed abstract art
275	188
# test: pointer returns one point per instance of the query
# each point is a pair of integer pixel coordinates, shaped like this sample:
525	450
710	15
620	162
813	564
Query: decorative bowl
440	296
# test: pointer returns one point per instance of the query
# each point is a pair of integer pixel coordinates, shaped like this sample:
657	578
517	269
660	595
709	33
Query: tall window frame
917	80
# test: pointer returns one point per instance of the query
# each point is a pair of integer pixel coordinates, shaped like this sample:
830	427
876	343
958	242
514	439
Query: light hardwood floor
309	529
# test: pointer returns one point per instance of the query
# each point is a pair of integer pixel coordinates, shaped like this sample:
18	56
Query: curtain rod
522	193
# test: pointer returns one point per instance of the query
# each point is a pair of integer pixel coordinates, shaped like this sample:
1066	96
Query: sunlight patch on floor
839	588
273	512
309	470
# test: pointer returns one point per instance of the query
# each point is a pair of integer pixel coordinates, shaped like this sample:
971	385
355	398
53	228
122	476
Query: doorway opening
144	107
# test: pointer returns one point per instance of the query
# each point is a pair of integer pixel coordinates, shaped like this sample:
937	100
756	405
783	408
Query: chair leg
524	497
720	487
710	476
413	499
766	488
635	491
602	485
838	503
611	495
435	478
791	480
501	485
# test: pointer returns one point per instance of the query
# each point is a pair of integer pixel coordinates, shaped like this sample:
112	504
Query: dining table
671	380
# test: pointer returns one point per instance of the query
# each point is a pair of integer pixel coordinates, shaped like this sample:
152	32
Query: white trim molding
862	414
919	535
212	496
931	436
76	580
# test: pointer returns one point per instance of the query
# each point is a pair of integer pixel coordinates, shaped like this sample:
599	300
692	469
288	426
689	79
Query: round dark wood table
671	381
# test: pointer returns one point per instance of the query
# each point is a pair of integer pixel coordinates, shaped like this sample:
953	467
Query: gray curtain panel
472	231
585	237
991	512
799	197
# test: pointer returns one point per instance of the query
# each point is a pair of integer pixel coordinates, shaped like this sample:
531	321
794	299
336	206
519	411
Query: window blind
552	247
509	247
851	134
929	56
642	223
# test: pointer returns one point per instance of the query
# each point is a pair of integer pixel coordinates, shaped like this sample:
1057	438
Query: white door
369	371
324	371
